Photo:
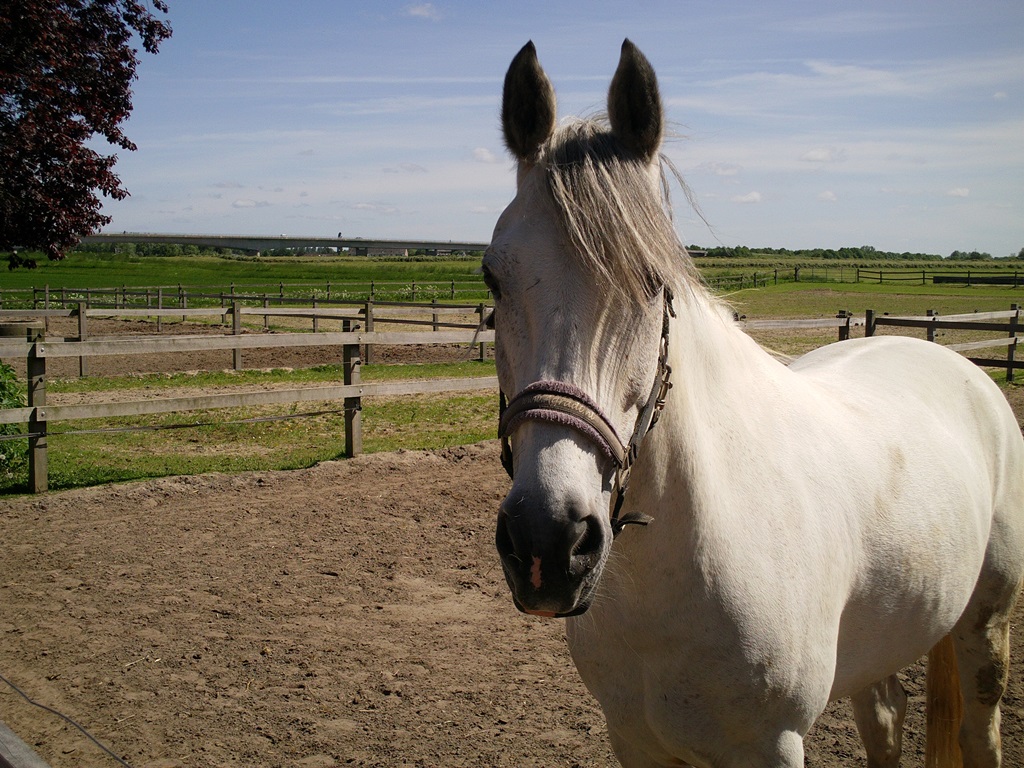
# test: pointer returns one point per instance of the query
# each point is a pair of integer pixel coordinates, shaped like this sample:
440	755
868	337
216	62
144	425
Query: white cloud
750	197
828	196
406	168
423	11
824	155
246	203
719	168
484	155
959	192
374	208
860	80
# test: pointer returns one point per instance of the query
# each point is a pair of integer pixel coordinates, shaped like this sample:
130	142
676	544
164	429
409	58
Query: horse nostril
586	551
503	537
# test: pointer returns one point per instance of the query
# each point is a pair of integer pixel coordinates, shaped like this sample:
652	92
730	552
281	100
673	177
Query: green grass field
807	299
82	270
86	270
266	439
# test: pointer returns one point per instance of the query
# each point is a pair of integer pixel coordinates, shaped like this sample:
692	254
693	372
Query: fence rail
974	321
182	296
34	346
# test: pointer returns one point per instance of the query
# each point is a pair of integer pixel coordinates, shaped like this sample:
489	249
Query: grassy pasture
807	299
215	273
263	439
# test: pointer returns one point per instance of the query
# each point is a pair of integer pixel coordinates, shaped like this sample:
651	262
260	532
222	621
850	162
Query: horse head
579	266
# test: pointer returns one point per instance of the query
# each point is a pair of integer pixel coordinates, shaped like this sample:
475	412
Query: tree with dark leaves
66	71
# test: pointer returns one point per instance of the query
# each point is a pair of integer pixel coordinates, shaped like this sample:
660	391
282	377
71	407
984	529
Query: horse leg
982	642
631	756
783	751
878	711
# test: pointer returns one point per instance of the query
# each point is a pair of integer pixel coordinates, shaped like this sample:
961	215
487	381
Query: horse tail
944	707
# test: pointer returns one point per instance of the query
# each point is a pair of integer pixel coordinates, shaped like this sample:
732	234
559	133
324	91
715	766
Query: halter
559	402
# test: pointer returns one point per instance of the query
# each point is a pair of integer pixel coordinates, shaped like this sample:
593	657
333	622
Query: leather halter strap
565	404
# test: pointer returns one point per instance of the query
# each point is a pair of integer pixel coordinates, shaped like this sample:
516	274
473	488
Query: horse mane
621	232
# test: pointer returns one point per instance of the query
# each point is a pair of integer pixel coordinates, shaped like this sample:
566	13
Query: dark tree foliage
66	70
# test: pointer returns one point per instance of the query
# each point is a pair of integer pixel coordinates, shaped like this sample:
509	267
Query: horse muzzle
552	557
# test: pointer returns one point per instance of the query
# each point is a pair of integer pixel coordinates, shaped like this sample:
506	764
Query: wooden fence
956	277
974	321
842	322
33	345
36	348
265	294
370	313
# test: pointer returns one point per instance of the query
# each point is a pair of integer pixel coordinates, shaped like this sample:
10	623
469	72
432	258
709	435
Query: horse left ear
634	104
528	105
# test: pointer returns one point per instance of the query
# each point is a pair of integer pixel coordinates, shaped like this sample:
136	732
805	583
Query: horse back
945	454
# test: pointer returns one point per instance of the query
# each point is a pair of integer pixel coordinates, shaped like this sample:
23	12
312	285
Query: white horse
816	527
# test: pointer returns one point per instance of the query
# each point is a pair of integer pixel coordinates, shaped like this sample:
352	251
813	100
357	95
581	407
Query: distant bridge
356	245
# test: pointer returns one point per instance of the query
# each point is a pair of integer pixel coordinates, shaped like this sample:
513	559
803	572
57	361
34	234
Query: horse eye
491	283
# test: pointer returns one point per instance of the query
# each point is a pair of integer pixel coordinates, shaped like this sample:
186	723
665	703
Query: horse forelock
619	227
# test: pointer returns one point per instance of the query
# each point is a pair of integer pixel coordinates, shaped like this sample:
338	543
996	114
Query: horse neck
714	358
716	370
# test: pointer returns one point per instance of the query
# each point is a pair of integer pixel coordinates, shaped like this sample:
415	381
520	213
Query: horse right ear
634	104
528	105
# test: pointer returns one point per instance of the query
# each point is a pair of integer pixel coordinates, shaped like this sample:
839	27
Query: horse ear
634	104
527	105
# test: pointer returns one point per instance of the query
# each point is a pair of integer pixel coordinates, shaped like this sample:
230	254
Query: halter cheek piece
558	402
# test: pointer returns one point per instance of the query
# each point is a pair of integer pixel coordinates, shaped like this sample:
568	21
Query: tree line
862	253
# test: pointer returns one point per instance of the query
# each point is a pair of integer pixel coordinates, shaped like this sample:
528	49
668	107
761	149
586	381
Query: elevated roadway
259	243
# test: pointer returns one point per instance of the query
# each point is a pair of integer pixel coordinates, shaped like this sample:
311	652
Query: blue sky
797	124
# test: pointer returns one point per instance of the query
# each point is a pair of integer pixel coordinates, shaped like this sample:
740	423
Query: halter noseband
565	404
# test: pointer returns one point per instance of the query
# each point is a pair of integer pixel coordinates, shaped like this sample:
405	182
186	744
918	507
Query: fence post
159	309
353	405
869	322
480	324
844	329
433	303
36	370
83	330
930	332
368	311
236	329
1012	348
316	318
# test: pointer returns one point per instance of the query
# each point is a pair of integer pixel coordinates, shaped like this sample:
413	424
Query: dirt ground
349	614
353	613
